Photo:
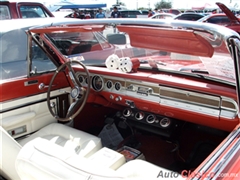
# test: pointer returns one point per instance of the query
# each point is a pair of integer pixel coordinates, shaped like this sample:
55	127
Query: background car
219	18
172	11
163	16
144	12
16	10
130	13
189	16
227	18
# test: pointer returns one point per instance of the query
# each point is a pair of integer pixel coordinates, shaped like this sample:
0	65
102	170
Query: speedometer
97	83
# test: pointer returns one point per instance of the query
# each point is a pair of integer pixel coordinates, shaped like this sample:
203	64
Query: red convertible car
227	18
117	99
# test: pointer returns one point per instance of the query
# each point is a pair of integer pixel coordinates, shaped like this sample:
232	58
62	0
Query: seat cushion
40	159
71	139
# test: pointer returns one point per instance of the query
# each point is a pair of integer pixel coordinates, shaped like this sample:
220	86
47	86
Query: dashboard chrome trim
211	111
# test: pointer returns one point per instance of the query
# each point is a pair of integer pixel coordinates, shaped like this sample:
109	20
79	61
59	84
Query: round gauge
97	83
109	84
86	80
165	122
81	79
117	86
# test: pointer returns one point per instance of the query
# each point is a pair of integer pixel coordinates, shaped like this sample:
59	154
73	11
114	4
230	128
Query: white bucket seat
39	159
69	139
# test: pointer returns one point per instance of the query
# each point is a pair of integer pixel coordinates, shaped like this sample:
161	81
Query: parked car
74	110
172	11
163	16
130	13
144	12
227	18
219	18
189	16
16	10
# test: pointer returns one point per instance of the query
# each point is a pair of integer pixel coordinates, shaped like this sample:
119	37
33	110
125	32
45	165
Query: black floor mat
199	153
110	136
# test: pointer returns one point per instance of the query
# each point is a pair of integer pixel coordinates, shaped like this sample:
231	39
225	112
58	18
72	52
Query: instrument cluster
98	83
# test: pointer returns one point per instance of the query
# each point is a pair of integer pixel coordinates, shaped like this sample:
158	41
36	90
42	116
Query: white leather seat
39	159
66	138
9	149
71	139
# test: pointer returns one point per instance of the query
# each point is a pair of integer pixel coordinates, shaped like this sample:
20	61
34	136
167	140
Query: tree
235	5
142	8
163	4
120	3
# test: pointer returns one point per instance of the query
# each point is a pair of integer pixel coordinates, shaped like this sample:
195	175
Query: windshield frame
214	35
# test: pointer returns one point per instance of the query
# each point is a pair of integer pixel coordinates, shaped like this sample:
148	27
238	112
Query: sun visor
171	40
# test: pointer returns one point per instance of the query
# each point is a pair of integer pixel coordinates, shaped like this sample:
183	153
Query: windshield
190	52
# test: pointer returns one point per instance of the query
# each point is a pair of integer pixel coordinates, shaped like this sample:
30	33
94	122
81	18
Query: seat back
9	149
79	142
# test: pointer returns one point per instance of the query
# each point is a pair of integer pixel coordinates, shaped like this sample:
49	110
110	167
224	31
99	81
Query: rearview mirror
119	39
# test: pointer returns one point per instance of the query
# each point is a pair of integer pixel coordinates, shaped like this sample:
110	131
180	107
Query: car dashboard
160	102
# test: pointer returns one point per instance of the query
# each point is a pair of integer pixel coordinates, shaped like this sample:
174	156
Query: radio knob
119	98
111	96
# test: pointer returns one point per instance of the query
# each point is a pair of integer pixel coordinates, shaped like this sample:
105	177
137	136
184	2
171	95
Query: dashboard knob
119	98
111	96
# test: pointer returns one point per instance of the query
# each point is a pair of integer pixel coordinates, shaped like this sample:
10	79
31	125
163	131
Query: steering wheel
78	93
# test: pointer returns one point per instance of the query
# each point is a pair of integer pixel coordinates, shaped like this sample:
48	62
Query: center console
109	158
131	153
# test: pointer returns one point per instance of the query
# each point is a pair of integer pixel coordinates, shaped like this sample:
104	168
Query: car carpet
158	150
169	154
200	152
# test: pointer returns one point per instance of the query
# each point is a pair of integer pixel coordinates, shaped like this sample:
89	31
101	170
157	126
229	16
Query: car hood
229	13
